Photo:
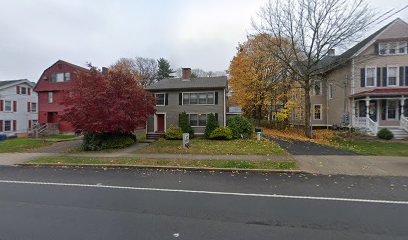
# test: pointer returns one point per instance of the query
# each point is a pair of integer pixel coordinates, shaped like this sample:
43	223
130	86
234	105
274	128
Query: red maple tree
111	103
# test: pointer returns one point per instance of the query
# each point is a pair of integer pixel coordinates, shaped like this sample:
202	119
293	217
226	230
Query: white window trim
375	76
31	107
11	106
164	99
52	97
388	72
4	125
330	90
396	110
321	112
206	104
387	44
188	114
321	88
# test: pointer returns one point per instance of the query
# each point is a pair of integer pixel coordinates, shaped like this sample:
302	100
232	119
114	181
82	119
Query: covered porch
374	112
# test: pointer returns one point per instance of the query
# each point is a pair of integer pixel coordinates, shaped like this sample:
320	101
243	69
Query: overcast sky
189	33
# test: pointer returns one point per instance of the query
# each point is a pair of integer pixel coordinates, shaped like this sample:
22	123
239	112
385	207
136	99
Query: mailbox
186	140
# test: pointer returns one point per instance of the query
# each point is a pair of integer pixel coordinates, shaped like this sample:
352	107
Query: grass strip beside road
215	147
372	148
233	164
21	145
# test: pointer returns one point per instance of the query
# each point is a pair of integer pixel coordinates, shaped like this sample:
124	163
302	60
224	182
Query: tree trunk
308	107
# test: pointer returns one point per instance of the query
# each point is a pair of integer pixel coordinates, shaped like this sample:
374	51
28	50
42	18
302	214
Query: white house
18	106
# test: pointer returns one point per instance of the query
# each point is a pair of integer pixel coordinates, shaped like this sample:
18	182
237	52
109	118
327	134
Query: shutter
14	125
14	106
29	91
406	76
362	77
1	105
384	73
216	117
216	98
18	89
383	109
29	124
180	98
378	77
179	119
28	107
401	76
376	51
1	126
166	99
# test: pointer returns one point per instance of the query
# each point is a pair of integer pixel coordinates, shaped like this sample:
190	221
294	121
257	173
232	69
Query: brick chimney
331	52
186	74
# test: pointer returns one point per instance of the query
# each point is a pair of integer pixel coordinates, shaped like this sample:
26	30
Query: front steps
154	136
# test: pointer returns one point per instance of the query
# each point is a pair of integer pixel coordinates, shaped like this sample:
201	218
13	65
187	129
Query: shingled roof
10	82
195	83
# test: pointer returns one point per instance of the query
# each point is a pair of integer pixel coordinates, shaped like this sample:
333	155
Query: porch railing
359	122
404	123
372	126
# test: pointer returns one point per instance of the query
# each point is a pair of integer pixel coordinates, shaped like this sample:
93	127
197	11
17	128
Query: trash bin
3	137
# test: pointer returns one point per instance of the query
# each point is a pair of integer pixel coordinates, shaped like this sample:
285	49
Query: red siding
45	85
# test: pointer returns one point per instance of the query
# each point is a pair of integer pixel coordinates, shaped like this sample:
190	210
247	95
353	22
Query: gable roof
331	62
8	83
196	83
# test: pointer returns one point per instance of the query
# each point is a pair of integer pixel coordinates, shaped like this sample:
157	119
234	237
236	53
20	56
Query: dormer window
392	48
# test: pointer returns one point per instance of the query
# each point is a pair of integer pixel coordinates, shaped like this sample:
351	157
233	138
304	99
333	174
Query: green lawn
375	148
171	162
21	145
59	137
201	146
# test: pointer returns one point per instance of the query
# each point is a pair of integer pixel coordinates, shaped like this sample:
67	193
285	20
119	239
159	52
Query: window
392	48
202	98
371	77
392	76
50	97
23	90
61	77
33	107
330	90
7	106
317	87
7	125
160	99
402	48
317	112
391	109
198	120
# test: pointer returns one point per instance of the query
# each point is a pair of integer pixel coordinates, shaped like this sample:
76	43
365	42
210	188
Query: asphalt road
148	204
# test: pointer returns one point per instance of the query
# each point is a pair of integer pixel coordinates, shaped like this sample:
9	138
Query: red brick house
50	88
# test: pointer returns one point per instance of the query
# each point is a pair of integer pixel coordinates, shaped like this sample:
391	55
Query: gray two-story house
198	97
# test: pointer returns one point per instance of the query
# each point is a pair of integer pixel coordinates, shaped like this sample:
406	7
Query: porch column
353	112
402	107
367	101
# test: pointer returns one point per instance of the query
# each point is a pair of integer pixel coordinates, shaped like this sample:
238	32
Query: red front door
160	122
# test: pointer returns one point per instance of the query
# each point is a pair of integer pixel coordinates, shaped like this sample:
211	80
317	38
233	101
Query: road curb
120	166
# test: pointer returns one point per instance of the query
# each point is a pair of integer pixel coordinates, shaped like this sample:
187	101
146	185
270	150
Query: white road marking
209	192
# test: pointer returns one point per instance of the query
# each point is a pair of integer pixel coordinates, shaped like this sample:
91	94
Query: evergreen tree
212	124
184	124
165	70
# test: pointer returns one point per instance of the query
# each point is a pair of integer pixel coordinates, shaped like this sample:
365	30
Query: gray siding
173	109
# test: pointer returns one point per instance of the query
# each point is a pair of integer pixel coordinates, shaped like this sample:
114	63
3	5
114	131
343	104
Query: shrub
100	141
174	133
184	124
385	133
240	125
221	133
212	124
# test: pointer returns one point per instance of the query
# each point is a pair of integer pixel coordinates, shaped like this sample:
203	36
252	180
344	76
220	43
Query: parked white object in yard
18	107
